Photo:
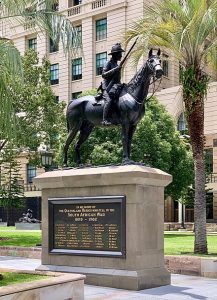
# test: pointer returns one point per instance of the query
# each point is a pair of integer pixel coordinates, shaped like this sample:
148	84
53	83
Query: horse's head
154	64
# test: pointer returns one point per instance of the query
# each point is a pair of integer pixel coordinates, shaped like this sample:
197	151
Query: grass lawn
175	243
3	228
183	243
22	238
13	278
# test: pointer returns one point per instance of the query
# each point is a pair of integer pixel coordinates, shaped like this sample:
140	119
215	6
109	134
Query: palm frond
41	15
188	29
10	66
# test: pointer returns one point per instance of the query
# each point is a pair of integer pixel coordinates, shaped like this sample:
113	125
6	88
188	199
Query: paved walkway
182	287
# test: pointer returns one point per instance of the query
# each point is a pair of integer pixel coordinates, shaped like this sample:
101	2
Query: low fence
189	226
28	252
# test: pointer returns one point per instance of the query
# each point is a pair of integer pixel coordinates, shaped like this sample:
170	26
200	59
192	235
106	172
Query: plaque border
78	200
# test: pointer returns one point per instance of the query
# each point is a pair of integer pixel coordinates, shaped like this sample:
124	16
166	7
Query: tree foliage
41	115
156	143
40	16
11	184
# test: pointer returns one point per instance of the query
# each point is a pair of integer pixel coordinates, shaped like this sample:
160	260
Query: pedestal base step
122	279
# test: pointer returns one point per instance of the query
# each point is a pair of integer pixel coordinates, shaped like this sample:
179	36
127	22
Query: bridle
154	78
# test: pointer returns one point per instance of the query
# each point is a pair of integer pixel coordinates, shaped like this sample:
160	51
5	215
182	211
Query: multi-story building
100	24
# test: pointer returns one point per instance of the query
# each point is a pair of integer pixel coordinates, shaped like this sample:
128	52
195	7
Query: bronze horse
82	115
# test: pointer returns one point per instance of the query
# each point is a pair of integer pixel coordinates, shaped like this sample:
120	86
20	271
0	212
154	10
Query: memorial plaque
94	226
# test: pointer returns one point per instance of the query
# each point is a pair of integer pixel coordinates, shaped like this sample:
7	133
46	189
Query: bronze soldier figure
111	75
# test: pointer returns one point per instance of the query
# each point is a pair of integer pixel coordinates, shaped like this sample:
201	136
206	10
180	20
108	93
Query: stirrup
96	104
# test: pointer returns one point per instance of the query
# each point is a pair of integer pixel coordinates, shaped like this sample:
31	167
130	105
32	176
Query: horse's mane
138	77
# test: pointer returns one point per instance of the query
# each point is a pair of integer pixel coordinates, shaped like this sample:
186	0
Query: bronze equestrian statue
83	115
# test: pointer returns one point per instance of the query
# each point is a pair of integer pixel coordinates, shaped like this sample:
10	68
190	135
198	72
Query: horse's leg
85	131
131	131
70	137
125	134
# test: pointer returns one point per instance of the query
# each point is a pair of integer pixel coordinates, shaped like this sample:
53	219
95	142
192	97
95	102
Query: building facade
100	24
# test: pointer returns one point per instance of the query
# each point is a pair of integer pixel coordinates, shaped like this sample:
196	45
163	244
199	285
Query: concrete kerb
64	284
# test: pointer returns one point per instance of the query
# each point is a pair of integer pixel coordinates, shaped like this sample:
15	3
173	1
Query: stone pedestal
143	267
27	226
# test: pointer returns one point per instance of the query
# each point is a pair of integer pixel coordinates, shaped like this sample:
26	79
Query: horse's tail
67	121
67	124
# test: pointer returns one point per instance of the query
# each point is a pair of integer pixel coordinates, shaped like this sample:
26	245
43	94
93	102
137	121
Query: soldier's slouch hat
116	48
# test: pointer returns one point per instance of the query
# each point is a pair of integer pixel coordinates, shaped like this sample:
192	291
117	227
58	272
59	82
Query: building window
31	173
75	95
54	74
209	205
77	69
74	2
77	2
57	99
55	6
100	61
78	41
181	124
165	65
52	46
32	44
209	160
101	29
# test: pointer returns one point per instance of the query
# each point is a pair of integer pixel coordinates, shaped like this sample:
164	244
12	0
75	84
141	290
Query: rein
154	89
154	79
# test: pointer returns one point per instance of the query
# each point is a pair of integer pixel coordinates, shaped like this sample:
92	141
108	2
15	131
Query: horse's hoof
127	161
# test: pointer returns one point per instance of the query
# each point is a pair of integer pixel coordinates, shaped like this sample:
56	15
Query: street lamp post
47	160
46	157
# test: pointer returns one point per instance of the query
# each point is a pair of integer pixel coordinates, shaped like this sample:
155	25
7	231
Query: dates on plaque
93	226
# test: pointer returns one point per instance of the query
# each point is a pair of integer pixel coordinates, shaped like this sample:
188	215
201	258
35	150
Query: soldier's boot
106	113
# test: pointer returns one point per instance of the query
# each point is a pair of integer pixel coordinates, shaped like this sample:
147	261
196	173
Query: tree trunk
195	117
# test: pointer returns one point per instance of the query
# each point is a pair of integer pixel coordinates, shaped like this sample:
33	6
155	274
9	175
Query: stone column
180	212
143	187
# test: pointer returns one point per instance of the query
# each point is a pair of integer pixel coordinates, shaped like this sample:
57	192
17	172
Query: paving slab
19	263
182	287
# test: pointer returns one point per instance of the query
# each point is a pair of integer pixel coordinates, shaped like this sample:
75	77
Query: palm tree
188	29
41	15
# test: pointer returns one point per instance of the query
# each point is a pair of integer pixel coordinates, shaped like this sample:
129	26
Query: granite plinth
143	187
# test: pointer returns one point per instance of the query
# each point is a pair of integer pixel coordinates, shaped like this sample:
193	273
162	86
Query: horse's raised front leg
85	131
71	135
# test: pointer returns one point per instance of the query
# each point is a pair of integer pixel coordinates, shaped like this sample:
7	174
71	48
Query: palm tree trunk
200	243
195	117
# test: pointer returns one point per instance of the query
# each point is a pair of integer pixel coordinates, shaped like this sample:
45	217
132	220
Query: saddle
114	93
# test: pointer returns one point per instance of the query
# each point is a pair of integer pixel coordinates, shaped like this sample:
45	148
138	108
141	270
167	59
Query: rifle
120	65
